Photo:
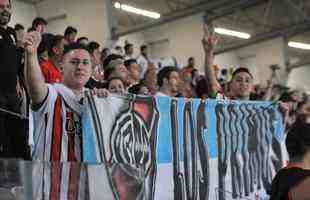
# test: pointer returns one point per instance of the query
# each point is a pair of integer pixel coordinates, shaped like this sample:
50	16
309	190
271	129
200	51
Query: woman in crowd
116	86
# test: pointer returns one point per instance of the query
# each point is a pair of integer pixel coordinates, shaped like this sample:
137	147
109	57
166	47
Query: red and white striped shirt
57	126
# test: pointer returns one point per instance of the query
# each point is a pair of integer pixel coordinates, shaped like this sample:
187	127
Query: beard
5	18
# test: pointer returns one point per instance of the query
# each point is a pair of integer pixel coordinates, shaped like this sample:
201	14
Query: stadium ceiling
263	19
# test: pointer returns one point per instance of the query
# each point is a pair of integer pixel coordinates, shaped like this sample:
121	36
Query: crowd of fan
121	71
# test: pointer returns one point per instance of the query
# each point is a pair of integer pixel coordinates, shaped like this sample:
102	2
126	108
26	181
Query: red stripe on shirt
290	196
71	136
56	181
74	180
57	130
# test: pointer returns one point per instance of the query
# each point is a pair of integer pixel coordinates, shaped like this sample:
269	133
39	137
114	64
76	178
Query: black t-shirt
9	60
285	180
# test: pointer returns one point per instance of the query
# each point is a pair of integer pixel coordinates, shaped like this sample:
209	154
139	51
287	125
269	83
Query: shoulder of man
8	32
11	30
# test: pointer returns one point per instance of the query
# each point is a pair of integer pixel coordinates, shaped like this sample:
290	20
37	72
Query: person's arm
209	41
268	95
36	85
284	108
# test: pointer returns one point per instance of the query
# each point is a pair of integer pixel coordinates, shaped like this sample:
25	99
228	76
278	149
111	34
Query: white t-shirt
143	62
160	94
57	126
128	57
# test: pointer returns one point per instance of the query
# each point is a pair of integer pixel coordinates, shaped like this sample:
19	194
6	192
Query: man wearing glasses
57	108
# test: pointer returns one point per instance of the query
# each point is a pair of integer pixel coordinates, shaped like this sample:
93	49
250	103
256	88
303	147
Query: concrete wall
23	13
184	38
50	9
137	39
299	78
89	17
262	55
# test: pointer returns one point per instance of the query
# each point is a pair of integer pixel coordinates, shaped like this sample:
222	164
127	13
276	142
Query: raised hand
209	40
100	92
32	41
285	110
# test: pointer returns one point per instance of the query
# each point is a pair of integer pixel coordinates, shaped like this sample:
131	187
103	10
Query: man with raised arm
57	108
242	80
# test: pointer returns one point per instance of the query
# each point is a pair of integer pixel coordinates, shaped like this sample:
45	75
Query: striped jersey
60	181
57	126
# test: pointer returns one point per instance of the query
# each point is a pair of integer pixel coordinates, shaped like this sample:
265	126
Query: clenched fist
32	41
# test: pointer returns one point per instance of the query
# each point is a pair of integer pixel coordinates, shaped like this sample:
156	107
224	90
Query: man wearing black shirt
13	139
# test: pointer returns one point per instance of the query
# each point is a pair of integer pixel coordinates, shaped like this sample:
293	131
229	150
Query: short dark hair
298	141
135	89
39	21
43	46
18	27
286	97
30	29
81	38
202	88
92	46
191	58
54	42
165	73
111	57
127	63
70	30
72	47
105	49
45	42
143	47
127	46
240	70
106	64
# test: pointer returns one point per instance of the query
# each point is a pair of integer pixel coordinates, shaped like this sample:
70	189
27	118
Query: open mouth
5	16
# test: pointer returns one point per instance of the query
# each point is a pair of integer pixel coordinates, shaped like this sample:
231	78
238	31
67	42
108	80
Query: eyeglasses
3	6
77	62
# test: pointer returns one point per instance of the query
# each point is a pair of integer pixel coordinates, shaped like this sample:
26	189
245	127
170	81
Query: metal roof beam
287	31
226	7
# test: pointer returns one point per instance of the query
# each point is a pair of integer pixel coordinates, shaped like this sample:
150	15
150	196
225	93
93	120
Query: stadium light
137	11
237	34
299	45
